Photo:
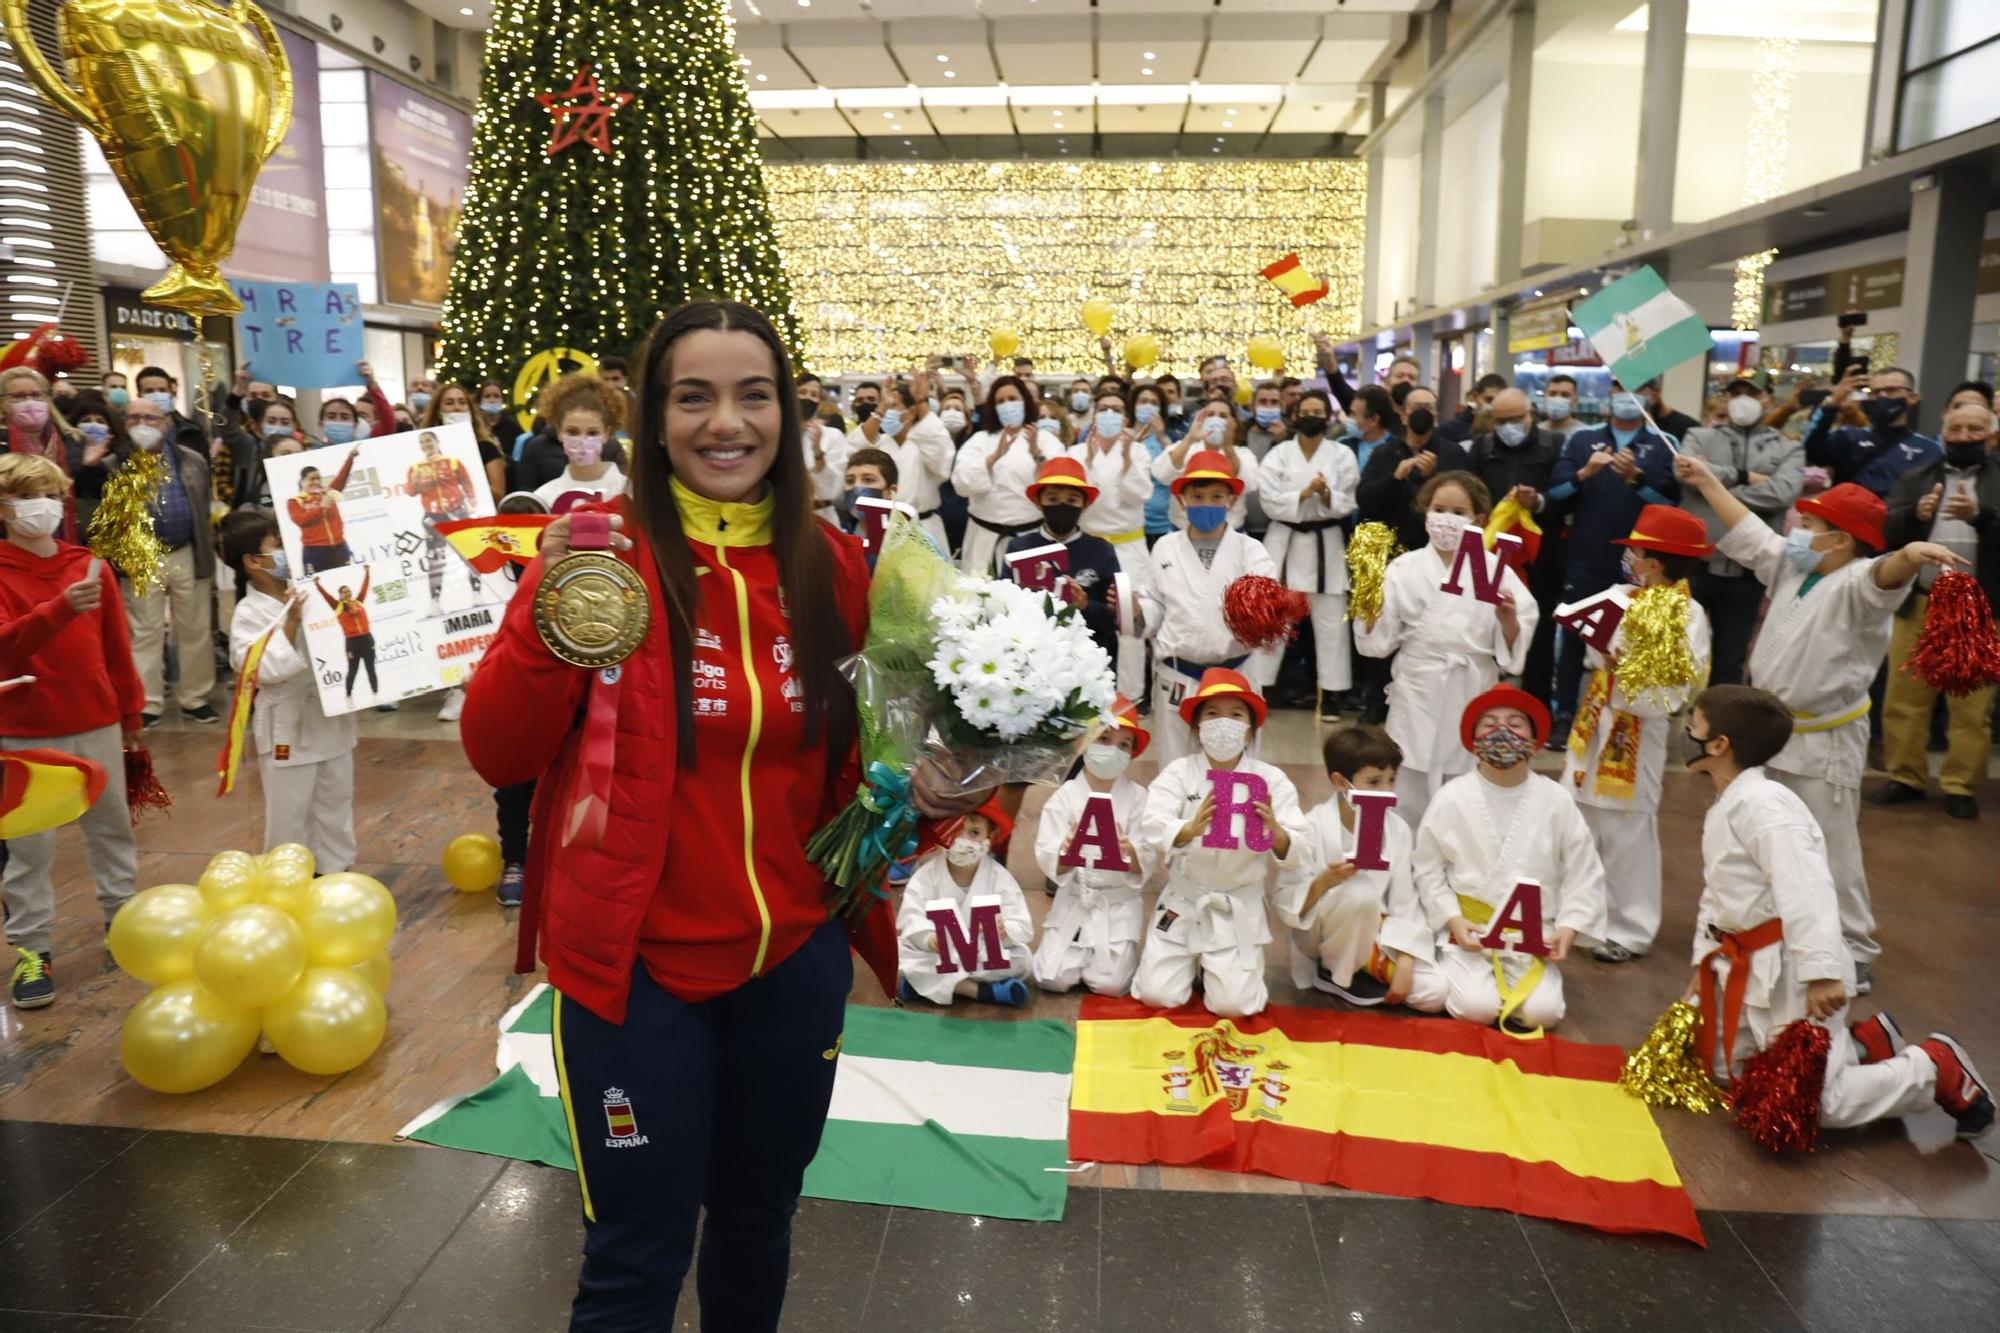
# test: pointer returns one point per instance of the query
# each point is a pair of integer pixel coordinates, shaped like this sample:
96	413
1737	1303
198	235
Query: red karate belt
1736	950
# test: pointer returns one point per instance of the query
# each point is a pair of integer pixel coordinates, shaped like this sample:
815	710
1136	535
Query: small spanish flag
489	543
45	789
1511	516
231	757
1291	278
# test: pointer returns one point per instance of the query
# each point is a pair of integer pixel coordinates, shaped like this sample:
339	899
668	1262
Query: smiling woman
683	927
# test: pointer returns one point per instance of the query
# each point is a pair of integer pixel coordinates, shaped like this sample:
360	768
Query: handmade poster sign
1486	567
306	334
1094	845
391	610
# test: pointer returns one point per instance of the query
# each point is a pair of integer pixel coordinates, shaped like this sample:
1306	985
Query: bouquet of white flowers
995	682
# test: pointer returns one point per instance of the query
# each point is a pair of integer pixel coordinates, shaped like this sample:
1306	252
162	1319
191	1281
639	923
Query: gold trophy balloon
187	99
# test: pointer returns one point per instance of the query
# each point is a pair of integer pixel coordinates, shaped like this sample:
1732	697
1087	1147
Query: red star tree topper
582	113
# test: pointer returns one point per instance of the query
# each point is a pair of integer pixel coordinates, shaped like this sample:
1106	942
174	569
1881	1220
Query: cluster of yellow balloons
258	944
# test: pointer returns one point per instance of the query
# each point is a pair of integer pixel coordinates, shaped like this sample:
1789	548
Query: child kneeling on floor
1357	929
1768	947
1507	873
1219	819
963	925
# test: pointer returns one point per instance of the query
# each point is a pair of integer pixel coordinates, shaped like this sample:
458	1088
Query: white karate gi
917	942
829	477
1182	604
923	463
1210	915
1092	932
1818	651
1124	481
1312	562
1449	650
999	494
1166	467
305	758
1617	786
1350	919
1478	841
1763	856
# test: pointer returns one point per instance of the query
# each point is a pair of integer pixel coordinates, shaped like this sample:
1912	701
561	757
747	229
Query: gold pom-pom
122	528
1666	1069
1654	655
1368	556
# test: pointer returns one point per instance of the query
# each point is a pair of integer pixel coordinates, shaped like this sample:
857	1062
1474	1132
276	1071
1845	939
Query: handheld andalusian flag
240	702
1640	328
45	789
488	543
1289	276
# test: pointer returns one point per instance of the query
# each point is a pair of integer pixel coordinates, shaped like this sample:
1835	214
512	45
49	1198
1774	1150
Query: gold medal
591	609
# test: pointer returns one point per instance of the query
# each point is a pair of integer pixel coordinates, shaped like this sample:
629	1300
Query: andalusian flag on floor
948	1114
1421	1107
1640	328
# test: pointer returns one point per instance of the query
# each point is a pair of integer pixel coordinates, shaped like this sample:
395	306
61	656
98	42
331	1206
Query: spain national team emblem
619	1122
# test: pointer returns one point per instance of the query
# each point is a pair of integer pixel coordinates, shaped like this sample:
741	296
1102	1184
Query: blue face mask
1012	413
273	430
491	409
280	569
337	432
1799	550
1268	417
1145	413
163	401
1206	518
849	519
96	432
1109	422
1513	434
932	402
890	421
117	397
1079	401
419	401
1048	426
1626	407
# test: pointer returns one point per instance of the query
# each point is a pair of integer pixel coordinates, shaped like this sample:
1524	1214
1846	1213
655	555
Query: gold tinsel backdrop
891	263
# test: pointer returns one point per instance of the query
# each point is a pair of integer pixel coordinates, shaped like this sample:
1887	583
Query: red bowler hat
1221	682
1855	510
1003	823
1505	696
1665	528
1126	714
1062	471
1207	465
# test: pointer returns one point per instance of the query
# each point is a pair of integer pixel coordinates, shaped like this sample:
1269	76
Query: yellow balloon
472	862
286	884
228	884
375	970
328	1023
154	933
1003	343
1244	392
346	918
187	171
1141	350
1266	353
1097	313
182	1038
292	851
250	955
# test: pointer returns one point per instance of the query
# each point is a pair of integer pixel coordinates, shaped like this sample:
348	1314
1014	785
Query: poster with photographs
391	610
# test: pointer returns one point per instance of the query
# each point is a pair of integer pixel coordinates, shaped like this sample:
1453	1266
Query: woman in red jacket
700	983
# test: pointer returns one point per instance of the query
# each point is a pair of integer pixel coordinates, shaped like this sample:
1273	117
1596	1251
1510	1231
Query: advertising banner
304	334
423	160
283	232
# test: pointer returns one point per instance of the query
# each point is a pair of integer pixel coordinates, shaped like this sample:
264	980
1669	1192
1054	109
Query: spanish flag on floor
1421	1107
45	789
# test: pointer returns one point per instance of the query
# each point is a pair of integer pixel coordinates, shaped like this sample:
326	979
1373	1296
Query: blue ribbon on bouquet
887	797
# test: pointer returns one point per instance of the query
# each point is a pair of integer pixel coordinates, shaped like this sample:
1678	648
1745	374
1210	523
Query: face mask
1626	569
280	569
1626	407
1213	429
455	418
1512	434
1445	530
1745	411
337	432
1697	747
163	401
1048	426
1062	519
1422	421
1109	423
1883	411
1267	417
953	419
1146	413
147	437
117	397
1558	407
931	403
583	450
847	499
1503	747
1799	550
1173	409
96	432
1223	738
890	422
490	407
31	415
1079	402
864	410
1012	413
36	518
273	429
965	850
1105	761
419	401
1207	518
1967	454
1310	427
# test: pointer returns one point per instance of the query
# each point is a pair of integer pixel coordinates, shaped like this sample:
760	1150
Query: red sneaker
1960	1091
1878	1038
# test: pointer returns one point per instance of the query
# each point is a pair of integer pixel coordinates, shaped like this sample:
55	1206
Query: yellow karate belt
1804	722
1119	538
1511	997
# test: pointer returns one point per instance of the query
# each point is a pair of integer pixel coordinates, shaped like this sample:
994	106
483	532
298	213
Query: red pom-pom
1776	1097
58	353
143	792
1958	652
1262	612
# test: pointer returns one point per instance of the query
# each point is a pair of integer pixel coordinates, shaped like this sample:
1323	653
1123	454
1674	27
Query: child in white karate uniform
1448	646
962	956
1768	907
1507	874
1617	751
1210	918
1094	927
1355	933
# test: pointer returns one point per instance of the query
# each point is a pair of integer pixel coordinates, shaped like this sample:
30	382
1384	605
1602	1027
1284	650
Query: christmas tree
615	174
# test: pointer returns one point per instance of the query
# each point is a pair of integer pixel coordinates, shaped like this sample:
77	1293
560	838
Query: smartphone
1859	363
1853	319
1813	397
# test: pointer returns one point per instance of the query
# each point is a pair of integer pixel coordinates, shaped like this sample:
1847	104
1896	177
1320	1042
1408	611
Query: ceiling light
951	74
465	10
805	4
1151	56
763	78
897	128
1232	111
943	59
888	115
1147	70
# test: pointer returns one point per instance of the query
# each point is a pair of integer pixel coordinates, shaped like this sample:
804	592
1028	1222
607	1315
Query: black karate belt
1315	527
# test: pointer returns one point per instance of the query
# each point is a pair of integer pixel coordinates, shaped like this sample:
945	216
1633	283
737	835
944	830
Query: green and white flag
1640	328
947	1114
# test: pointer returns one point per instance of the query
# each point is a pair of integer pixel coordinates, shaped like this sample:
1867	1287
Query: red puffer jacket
700	872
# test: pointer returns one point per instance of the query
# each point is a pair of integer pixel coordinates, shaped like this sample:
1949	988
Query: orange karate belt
1736	950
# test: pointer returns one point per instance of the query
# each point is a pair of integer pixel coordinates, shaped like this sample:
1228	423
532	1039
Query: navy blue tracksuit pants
685	1107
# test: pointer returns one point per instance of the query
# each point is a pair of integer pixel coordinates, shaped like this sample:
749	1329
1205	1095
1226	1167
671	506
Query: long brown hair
805	556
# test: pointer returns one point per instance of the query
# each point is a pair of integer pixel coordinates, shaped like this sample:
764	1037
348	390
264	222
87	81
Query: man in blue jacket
1605	476
1889	446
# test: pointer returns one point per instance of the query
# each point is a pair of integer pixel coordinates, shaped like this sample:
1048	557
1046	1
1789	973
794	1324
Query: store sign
423	161
1863	287
1541	323
126	316
283	233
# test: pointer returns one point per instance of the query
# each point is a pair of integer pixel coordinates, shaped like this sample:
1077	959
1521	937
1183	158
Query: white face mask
965	850
455	418
1745	411
954	420
38	517
1105	761
146	437
1445	530
1224	738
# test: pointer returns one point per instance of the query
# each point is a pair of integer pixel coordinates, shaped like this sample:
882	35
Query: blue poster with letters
306	335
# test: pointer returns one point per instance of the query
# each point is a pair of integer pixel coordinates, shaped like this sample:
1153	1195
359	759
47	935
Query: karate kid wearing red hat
1833	603
1088	842
1181	605
963	925
1218	818
1507	874
1617	749
1062	492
